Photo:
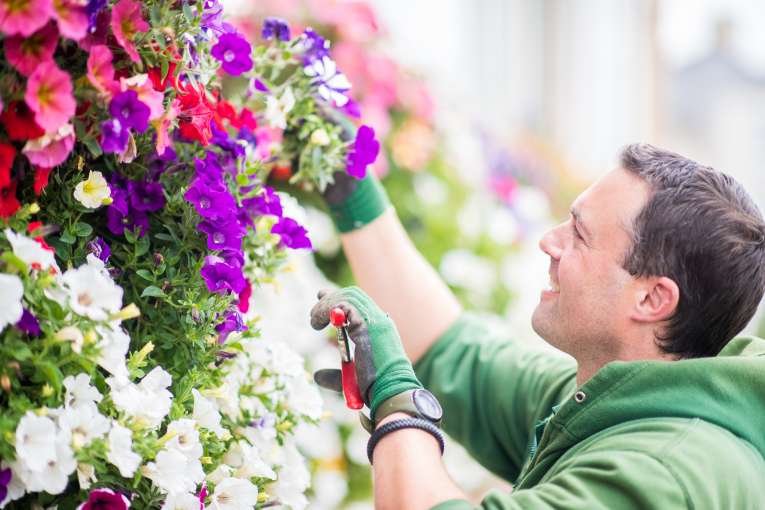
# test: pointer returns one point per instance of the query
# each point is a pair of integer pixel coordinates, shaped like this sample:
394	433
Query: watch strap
404	423
400	403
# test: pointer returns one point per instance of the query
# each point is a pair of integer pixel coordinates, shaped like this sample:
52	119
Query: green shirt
638	435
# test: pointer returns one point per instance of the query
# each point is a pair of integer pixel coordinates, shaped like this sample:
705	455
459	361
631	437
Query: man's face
585	309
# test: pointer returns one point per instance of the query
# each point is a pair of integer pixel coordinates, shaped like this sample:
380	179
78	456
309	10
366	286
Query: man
660	265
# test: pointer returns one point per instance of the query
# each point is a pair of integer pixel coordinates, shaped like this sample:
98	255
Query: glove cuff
394	382
364	204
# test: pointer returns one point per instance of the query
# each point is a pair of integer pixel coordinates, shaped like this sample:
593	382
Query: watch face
427	405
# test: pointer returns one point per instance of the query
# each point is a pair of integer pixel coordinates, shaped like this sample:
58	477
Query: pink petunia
101	70
51	149
26	53
143	86
162	125
72	18
126	22
49	95
24	17
268	138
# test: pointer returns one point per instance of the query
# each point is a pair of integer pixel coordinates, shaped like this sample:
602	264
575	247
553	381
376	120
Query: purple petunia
233	258
222	278
210	202
223	233
212	16
276	27
100	249
267	202
130	111
363	153
146	196
233	51
105	499
120	216
315	47
232	322
93	8
29	324
292	234
5	479
114	136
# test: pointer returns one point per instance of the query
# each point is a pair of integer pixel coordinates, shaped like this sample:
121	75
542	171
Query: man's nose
551	244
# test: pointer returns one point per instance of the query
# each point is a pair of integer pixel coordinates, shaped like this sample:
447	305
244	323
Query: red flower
246	119
155	75
41	179
226	111
7	155
196	113
19	122
8	203
244	297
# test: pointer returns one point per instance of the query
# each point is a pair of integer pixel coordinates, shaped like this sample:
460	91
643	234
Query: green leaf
82	229
51	373
130	236
145	274
142	246
164	237
91	142
152	291
187	13
67	237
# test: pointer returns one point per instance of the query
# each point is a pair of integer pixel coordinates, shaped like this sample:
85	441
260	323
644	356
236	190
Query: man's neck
588	366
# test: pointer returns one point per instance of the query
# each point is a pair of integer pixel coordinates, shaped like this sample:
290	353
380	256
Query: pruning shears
348	369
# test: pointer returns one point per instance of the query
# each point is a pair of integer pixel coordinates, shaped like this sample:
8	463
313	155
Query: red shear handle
337	317
351	386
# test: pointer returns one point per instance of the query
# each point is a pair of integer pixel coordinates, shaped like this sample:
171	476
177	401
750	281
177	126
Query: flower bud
320	137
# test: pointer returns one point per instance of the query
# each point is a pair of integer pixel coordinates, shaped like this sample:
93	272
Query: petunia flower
224	233
51	149
19	122
49	95
277	109
315	47
155	75
121	452
7	156
195	114
291	233
93	8
93	192
275	27
234	494
233	51
90	291
105	499
232	323
25	53
5	479
29	324
222	278
24	17
11	292
126	23
120	216
146	196
147	94
9	204
34	253
40	181
267	202
114	137
100	249
162	125
330	83
363	153
101	70
130	111
72	18
208	201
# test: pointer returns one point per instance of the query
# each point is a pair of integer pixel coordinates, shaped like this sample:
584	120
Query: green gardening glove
354	202
382	368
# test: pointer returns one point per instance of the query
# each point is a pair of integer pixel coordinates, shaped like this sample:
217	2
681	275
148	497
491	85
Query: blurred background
494	115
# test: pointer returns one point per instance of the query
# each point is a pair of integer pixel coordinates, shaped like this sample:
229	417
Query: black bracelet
404	423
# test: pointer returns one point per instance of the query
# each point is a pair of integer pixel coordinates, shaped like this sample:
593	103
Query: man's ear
657	301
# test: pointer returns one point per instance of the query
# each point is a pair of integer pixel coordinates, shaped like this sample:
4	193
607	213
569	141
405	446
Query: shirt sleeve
627	480
493	391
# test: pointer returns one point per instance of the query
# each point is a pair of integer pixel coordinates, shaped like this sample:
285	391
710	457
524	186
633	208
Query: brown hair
700	228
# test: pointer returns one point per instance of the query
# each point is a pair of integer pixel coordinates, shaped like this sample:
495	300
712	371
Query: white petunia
11	292
185	438
331	83
94	191
206	414
219	473
35	441
79	391
294	479
86	475
112	350
173	473
277	109
71	334
84	423
304	398
90	292
54	475
246	459
148	401
234	494
121	452
181	501
31	252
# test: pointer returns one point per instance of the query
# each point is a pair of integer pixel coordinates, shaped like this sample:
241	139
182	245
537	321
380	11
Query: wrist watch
419	403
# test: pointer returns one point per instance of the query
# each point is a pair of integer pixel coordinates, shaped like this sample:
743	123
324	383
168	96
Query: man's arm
389	268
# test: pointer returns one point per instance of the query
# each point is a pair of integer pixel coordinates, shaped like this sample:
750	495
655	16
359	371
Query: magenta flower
291	233
101	69
126	23
24	17
49	95
363	153
72	18
233	51
221	277
26	53
105	499
130	111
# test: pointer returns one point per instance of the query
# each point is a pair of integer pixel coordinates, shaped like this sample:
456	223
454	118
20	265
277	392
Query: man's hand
382	368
